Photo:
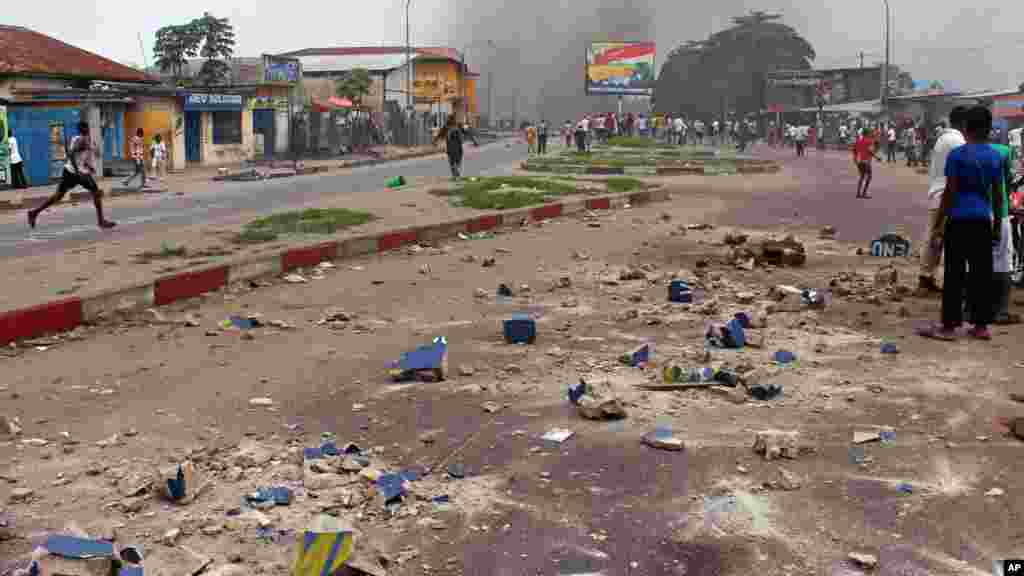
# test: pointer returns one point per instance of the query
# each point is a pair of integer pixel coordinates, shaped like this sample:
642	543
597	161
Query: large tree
725	72
174	46
353	85
218	46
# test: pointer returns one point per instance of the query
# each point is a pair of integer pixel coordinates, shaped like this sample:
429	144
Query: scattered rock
480	293
252	454
827	233
19	495
866	561
170	538
632	274
9	427
735	239
774	444
663	440
261	401
466	370
491	407
788	253
212	529
995	492
887	276
788	480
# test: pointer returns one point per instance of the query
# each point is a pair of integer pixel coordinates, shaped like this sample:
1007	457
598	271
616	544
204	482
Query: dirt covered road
938	496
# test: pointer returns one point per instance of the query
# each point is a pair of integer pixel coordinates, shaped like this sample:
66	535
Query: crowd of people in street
666	128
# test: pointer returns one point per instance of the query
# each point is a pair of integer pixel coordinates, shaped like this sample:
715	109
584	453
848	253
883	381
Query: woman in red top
863	152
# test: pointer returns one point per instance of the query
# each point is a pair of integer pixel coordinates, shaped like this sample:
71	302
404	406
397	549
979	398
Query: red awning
332	103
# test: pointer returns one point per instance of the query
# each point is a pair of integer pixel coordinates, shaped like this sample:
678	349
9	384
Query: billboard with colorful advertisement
1009	106
620	68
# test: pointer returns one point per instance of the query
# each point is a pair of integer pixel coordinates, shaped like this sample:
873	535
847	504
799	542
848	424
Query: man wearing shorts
863	152
78	171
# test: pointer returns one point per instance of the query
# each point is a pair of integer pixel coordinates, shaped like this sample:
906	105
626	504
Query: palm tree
725	71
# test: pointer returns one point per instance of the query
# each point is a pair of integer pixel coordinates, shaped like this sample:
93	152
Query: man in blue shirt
968	209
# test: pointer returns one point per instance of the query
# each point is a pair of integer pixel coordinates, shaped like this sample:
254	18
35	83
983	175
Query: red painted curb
189	285
546	212
394	240
483	223
59	316
308	256
599	204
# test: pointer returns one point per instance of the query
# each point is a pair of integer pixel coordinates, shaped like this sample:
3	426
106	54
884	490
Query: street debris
731	335
827	233
786	481
784	357
775	444
9	427
180	485
866	561
456	470
295	279
491	407
324	547
520	329
890	348
992	492
663	439
905	488
597	401
638	357
428	362
679	292
784	253
557	435
504	291
270	497
262	401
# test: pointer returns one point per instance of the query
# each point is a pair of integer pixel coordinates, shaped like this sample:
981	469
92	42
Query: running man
454	136
78	171
863	152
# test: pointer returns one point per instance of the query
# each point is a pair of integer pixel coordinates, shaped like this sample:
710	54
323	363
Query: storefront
270	121
218	129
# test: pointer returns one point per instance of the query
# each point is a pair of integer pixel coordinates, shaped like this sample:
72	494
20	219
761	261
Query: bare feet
107	224
32	219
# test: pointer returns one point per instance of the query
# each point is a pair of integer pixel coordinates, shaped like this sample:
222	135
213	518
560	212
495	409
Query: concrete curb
67	314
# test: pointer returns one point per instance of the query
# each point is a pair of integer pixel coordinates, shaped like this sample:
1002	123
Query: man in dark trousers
78	171
454	136
542	138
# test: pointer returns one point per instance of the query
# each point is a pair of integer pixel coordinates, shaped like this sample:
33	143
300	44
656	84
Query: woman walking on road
454	136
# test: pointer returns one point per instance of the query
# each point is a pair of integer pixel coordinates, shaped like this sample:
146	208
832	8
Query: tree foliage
174	45
211	38
725	72
354	85
218	46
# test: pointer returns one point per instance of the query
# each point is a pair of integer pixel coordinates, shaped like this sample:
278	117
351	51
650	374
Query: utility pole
885	73
408	75
490	97
862	59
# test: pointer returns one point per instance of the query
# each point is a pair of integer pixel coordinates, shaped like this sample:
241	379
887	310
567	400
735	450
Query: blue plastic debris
784	357
78	548
520	329
243	323
576	391
278	495
442	499
391	487
361	459
177	487
890	348
675	374
457	470
131	554
131	570
350	449
679	292
410	475
639	356
326	449
729	336
905	488
887	436
432	358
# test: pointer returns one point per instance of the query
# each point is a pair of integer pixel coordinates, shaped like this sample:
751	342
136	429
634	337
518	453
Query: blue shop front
218	128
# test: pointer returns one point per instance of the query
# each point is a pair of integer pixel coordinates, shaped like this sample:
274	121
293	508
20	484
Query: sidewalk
180	181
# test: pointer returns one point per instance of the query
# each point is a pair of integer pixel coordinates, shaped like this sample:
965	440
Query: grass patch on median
634	142
309	221
623	184
505	192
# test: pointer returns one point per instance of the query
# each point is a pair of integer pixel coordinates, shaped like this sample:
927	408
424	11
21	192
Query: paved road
826	195
74	225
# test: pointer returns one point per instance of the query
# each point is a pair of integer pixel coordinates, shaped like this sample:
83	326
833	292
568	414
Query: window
227	127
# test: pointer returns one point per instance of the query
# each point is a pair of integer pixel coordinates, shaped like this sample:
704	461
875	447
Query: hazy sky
934	40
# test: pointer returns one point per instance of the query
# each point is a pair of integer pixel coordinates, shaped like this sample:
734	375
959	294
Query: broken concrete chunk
775	444
663	440
9	427
867	561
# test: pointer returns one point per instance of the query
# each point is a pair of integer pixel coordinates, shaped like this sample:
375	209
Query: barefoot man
78	171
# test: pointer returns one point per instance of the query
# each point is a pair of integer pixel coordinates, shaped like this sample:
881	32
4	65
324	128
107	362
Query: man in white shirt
677	130
78	171
931	253
17	164
800	134
1014	138
890	144
641	125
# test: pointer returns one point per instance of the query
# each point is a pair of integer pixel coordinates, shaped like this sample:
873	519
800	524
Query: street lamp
885	73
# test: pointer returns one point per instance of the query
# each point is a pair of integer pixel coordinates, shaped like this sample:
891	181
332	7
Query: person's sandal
980	333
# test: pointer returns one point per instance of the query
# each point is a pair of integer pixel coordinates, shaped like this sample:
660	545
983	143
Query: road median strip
67	314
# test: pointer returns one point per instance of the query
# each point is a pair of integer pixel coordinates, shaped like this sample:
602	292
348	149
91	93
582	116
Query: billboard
280	70
620	68
1009	106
